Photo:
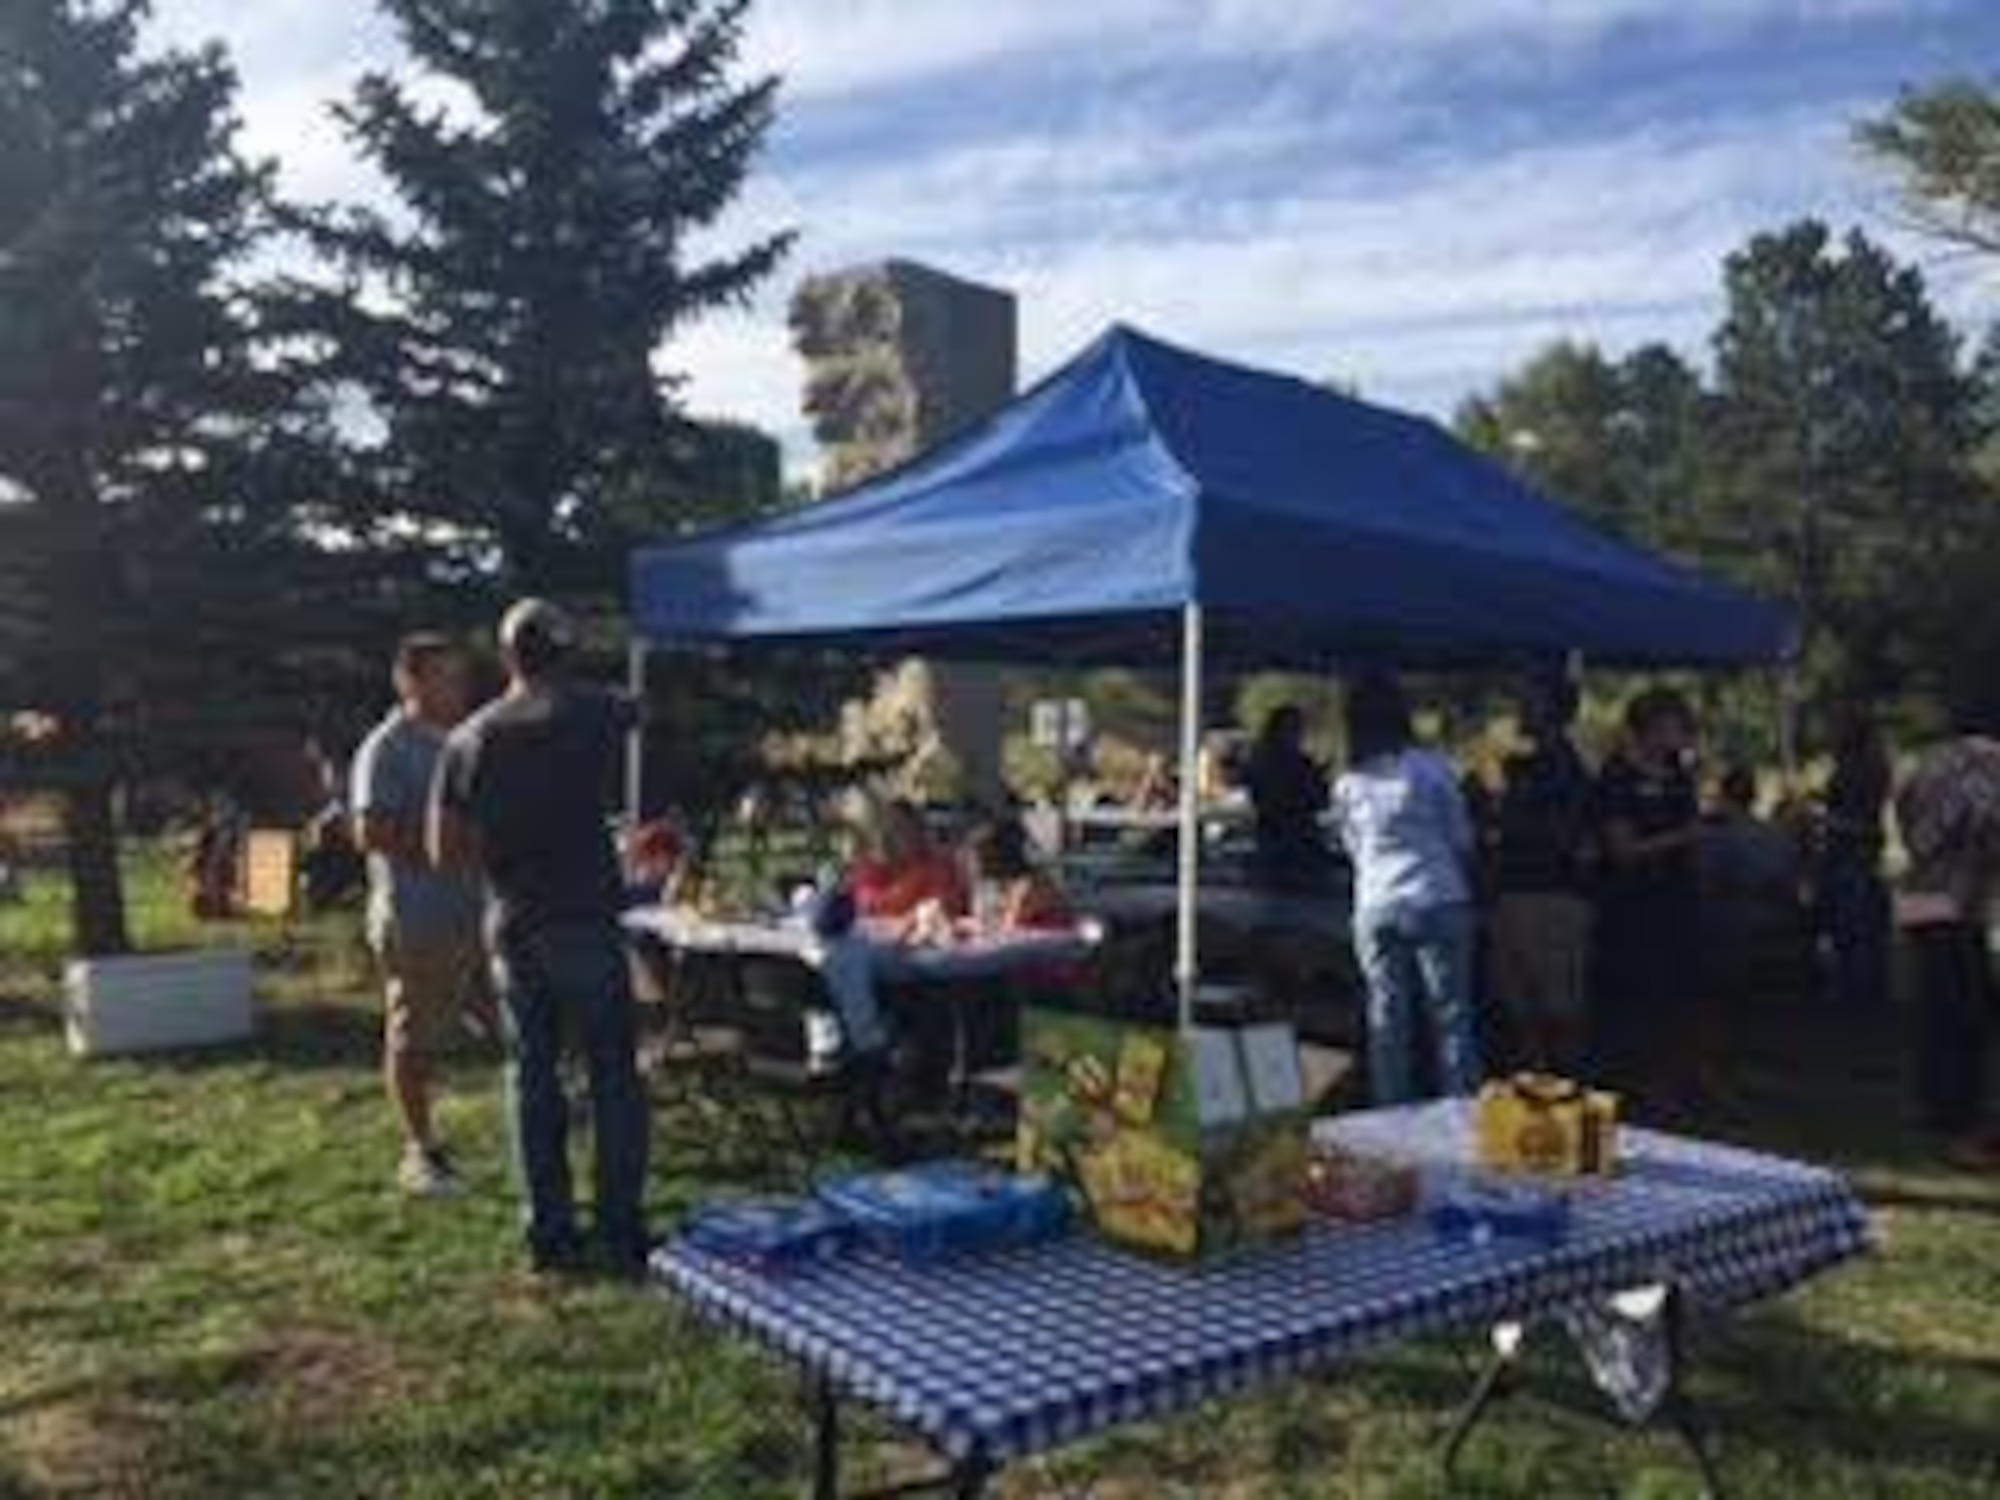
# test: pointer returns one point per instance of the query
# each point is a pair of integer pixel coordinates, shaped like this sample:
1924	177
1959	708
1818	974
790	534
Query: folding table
995	1358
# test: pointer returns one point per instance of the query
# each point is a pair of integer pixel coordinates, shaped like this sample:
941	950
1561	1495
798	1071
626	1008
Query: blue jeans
571	980
1412	960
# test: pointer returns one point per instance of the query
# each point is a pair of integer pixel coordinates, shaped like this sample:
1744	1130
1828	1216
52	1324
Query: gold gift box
1536	1122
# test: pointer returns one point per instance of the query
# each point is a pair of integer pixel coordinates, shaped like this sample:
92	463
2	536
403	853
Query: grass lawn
209	1287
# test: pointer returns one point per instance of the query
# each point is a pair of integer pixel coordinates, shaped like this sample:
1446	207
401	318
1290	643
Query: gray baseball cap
537	629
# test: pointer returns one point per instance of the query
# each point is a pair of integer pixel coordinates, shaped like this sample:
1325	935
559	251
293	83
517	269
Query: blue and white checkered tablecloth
1016	1353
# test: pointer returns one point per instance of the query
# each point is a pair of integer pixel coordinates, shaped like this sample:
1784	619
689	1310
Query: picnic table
954	1001
995	1358
971	957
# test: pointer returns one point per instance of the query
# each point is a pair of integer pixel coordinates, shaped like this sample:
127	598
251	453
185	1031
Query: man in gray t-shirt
423	922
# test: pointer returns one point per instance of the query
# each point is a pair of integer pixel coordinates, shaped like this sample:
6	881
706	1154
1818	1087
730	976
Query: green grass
208	1286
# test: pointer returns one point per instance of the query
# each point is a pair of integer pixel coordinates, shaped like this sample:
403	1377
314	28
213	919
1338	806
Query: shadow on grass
1777	1386
1920	1200
296	1037
29	1015
1871	1405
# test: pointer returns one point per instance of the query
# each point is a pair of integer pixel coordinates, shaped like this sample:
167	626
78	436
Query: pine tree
1620	440
506	324
154	447
1943	145
1847	429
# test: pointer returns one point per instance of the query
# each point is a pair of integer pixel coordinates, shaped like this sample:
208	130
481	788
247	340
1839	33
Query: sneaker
557	1260
428	1174
627	1260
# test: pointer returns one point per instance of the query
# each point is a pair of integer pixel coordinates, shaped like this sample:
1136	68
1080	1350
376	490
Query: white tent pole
1788	697
1187	962
635	738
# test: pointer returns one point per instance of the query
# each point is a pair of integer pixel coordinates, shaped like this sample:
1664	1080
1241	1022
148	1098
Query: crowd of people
494	893
1598	922
1609	922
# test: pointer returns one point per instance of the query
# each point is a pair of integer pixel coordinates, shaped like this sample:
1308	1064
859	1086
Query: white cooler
158	1002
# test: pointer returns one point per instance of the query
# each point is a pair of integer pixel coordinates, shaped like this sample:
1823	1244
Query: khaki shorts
434	986
1541	955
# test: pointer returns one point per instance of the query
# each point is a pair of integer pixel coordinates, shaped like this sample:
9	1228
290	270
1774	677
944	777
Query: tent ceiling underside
1076	524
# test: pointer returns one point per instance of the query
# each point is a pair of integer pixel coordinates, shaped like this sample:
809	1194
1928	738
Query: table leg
970	1478
1677	1408
1507	1341
1675	1412
826	1439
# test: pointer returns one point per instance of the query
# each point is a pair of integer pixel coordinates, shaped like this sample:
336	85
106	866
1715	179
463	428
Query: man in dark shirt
1853	898
1541	916
1649	905
1288	792
523	792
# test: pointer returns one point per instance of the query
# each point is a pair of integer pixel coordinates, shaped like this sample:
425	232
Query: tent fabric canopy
1079	521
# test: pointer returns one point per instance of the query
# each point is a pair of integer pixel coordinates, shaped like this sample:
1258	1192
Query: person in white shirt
1405	826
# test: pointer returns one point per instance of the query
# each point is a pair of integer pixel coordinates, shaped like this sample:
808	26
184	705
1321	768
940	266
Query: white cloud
1420	285
1250	233
841	47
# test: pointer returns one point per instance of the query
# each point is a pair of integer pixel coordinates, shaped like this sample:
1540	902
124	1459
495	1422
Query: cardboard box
1534	1122
268	880
1186	1143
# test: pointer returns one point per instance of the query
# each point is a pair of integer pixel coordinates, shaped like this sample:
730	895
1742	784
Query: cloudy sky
1408	194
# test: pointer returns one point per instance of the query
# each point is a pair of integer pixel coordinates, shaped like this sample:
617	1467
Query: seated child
1029	899
907	869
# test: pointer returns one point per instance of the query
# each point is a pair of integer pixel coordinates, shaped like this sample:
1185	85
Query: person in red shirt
1029	899
907	869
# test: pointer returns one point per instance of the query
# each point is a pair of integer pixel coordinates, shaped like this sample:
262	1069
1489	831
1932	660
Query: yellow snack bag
1142	1066
1536	1122
1145	1193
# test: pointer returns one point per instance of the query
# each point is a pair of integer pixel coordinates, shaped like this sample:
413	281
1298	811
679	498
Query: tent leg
1187	961
1790	696
635	739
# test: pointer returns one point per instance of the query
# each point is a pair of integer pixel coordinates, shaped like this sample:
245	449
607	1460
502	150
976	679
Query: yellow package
1142	1066
1145	1193
1535	1122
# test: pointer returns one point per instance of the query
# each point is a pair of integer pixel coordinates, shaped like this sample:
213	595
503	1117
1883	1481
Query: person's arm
1343	819
1576	828
1456	814
1627	846
453	835
388	820
401	839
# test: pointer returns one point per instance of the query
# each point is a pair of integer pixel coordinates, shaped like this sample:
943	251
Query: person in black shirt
1648	905
1288	791
523	791
1541	915
1853	900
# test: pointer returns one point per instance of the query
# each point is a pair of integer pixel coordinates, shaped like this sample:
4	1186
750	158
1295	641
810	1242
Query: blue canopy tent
1145	504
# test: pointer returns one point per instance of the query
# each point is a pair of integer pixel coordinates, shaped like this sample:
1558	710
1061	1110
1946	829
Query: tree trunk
97	889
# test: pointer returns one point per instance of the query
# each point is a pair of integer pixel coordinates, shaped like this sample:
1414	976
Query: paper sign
1271	1064
1219	1096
